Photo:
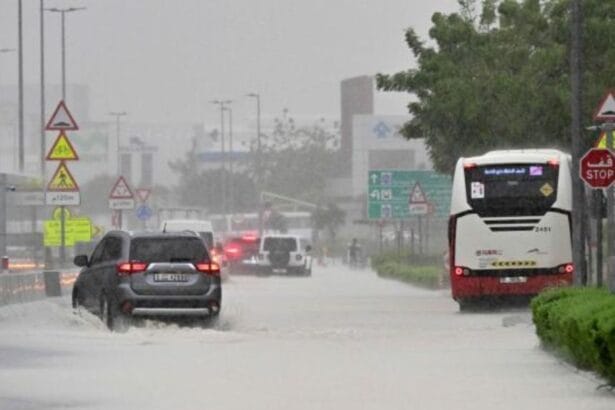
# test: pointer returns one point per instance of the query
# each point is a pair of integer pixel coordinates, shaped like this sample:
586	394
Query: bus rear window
511	189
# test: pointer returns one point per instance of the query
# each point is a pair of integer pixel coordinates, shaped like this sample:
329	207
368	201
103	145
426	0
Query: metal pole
117	141
42	44
609	127
578	228
223	154
20	69
230	160
63	13
599	237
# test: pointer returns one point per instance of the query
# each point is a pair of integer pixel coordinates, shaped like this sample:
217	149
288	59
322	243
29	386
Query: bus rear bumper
471	287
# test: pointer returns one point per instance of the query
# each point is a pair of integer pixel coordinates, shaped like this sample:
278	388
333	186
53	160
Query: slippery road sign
61	119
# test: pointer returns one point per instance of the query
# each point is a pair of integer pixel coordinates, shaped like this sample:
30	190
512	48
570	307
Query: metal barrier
28	287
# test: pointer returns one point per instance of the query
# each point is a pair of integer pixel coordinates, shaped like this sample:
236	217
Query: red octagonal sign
598	168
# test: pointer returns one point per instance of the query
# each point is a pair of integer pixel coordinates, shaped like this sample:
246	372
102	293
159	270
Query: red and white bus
510	224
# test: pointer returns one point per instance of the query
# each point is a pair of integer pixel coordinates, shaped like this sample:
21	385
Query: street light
6	51
63	12
258	156
222	104
117	115
230	158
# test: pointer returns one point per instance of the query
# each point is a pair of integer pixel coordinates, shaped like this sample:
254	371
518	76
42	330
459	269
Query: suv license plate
170	277
513	279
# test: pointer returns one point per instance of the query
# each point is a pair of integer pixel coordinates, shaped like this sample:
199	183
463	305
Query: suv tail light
128	268
208	268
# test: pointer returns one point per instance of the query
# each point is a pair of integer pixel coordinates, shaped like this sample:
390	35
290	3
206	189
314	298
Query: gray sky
164	60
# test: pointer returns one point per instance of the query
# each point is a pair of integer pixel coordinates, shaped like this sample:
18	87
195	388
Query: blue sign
144	212
381	130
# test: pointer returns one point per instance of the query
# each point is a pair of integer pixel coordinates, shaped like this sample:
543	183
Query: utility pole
222	104
118	115
578	200
259	179
230	160
42	44
21	151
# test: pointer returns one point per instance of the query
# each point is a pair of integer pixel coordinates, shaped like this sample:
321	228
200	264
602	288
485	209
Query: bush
396	267
580	323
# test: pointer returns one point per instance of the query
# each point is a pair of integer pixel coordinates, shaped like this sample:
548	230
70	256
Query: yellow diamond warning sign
546	189
62	180
62	150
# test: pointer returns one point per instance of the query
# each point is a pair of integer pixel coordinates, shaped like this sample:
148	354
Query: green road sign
388	194
76	230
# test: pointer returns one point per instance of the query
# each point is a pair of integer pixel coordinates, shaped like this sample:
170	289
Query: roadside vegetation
579	323
422	270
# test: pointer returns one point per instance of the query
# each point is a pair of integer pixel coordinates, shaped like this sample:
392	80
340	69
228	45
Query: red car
241	253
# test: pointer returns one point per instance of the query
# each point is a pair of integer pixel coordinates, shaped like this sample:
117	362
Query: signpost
390	193
399	195
121	198
601	174
62	189
598	168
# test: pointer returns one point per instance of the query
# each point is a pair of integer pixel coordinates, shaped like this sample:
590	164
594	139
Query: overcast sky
164	60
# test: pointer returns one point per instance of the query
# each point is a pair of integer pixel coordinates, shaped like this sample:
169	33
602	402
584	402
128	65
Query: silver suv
281	253
148	275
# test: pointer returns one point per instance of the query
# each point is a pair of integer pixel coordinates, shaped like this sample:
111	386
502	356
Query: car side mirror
81	260
308	248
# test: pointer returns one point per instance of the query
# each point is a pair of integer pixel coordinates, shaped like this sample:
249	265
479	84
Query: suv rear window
177	249
280	244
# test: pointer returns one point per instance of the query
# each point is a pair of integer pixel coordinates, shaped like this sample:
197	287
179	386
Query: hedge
580	323
423	275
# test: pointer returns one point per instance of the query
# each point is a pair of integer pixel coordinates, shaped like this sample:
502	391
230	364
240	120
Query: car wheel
111	317
75	299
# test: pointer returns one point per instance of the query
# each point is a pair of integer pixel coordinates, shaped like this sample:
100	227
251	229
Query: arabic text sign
76	230
389	193
598	168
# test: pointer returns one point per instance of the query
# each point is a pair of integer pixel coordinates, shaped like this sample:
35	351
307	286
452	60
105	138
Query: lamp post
222	104
6	51
230	159
118	115
63	12
42	57
258	157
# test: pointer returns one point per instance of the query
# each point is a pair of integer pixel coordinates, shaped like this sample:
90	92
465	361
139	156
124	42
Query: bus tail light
469	165
554	162
461	271
566	268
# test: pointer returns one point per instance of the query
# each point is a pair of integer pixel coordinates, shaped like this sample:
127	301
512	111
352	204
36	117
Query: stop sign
598	168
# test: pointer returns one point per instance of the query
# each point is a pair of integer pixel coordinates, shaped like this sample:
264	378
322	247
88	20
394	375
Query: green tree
296	161
203	188
328	218
498	77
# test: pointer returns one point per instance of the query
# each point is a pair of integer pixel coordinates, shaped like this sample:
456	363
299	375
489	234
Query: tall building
357	97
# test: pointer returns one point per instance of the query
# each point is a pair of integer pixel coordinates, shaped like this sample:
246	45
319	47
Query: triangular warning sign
61	119
417	196
62	150
121	190
143	194
601	142
62	180
606	108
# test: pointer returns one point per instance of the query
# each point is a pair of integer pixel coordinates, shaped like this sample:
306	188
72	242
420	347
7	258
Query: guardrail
31	286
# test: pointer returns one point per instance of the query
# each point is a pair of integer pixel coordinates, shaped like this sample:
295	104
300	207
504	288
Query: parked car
280	253
157	275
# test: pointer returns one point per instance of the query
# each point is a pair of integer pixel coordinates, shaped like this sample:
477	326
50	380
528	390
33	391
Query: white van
203	228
